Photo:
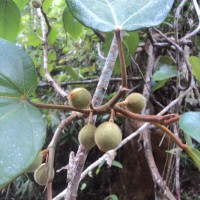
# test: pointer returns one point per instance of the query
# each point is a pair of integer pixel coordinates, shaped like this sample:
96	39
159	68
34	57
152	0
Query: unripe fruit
37	162
80	98
135	102
86	136
36	3
41	174
107	136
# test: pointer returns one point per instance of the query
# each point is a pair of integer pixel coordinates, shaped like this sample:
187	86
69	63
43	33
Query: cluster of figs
106	136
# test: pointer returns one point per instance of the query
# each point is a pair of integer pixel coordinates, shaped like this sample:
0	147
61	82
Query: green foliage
163	74
195	62
22	126
9	20
117	164
71	25
111	197
189	123
21	3
130	44
108	16
195	155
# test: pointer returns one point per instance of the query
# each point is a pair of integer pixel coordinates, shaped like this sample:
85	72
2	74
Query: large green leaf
195	155
9	20
189	123
108	15
22	128
195	62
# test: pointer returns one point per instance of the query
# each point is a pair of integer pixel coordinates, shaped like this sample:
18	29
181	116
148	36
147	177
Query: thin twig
177	166
121	58
83	82
194	32
45	52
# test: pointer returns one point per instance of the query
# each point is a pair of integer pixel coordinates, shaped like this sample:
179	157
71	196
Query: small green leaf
127	15
72	73
83	186
195	155
9	20
52	36
165	72
131	41
111	197
117	164
174	150
99	168
71	25
159	84
195	62
189	123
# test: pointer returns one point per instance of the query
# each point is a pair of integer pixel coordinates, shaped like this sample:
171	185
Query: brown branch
59	107
172	136
154	171
165	120
121	58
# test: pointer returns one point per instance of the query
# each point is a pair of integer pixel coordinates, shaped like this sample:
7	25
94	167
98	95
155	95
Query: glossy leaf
195	155
189	123
109	15
195	62
71	25
9	20
165	72
22	126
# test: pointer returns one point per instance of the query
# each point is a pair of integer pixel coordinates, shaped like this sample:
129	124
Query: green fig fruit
36	3
86	136
107	136
37	162
135	102
41	174
80	98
